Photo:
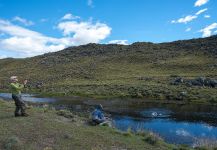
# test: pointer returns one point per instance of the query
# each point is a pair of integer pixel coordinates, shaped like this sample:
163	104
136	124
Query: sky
33	27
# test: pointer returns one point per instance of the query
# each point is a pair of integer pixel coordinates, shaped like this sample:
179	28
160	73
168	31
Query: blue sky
33	27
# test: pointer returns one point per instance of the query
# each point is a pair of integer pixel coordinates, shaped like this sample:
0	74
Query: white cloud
182	132
199	3
90	3
29	46
23	21
185	20
189	18
208	127
43	20
215	31
84	32
9	28
207	31
207	16
69	17
30	43
1	34
188	29
201	11
121	42
3	56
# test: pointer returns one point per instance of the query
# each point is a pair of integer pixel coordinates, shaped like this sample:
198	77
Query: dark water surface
176	123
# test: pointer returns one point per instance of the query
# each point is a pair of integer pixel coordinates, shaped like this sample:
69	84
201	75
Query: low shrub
13	143
65	113
152	138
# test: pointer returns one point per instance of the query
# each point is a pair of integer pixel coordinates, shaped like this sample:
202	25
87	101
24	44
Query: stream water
175	123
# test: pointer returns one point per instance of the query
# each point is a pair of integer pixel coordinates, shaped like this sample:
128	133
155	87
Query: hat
99	107
13	78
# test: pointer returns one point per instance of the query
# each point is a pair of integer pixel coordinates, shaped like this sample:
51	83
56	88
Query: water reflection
171	131
28	98
156	113
176	123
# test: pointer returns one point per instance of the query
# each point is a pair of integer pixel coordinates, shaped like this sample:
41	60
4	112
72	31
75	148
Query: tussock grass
141	70
50	131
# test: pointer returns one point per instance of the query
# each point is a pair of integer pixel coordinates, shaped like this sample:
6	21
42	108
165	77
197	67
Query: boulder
212	83
177	81
200	81
195	82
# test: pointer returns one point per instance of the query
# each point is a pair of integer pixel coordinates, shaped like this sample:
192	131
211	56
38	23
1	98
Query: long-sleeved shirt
98	115
16	88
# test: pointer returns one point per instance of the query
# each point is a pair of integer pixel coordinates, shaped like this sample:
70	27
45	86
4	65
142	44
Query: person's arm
101	116
17	86
25	82
94	115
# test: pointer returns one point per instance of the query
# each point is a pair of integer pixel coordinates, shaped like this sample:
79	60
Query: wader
20	105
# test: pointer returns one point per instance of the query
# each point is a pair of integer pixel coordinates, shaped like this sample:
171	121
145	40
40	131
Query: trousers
20	105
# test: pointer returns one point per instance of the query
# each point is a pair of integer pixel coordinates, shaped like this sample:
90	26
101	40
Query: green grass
47	130
112	71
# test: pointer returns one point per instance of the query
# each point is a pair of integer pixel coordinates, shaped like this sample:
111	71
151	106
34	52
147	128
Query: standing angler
16	95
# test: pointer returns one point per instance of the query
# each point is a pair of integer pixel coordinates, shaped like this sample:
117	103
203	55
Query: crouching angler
98	116
16	89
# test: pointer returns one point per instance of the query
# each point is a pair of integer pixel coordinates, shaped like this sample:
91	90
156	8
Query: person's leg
17	109
106	123
23	110
97	121
22	107
17	113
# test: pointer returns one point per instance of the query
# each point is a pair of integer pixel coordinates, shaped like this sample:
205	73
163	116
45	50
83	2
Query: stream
188	124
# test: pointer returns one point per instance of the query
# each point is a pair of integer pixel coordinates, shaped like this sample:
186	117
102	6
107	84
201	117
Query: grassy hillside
143	70
49	131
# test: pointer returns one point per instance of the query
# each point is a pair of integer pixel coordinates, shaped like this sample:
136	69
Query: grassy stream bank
46	130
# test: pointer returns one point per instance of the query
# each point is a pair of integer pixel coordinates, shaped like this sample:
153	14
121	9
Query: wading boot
25	115
17	115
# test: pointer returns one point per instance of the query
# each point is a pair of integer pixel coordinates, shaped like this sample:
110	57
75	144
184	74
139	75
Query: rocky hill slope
145	70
